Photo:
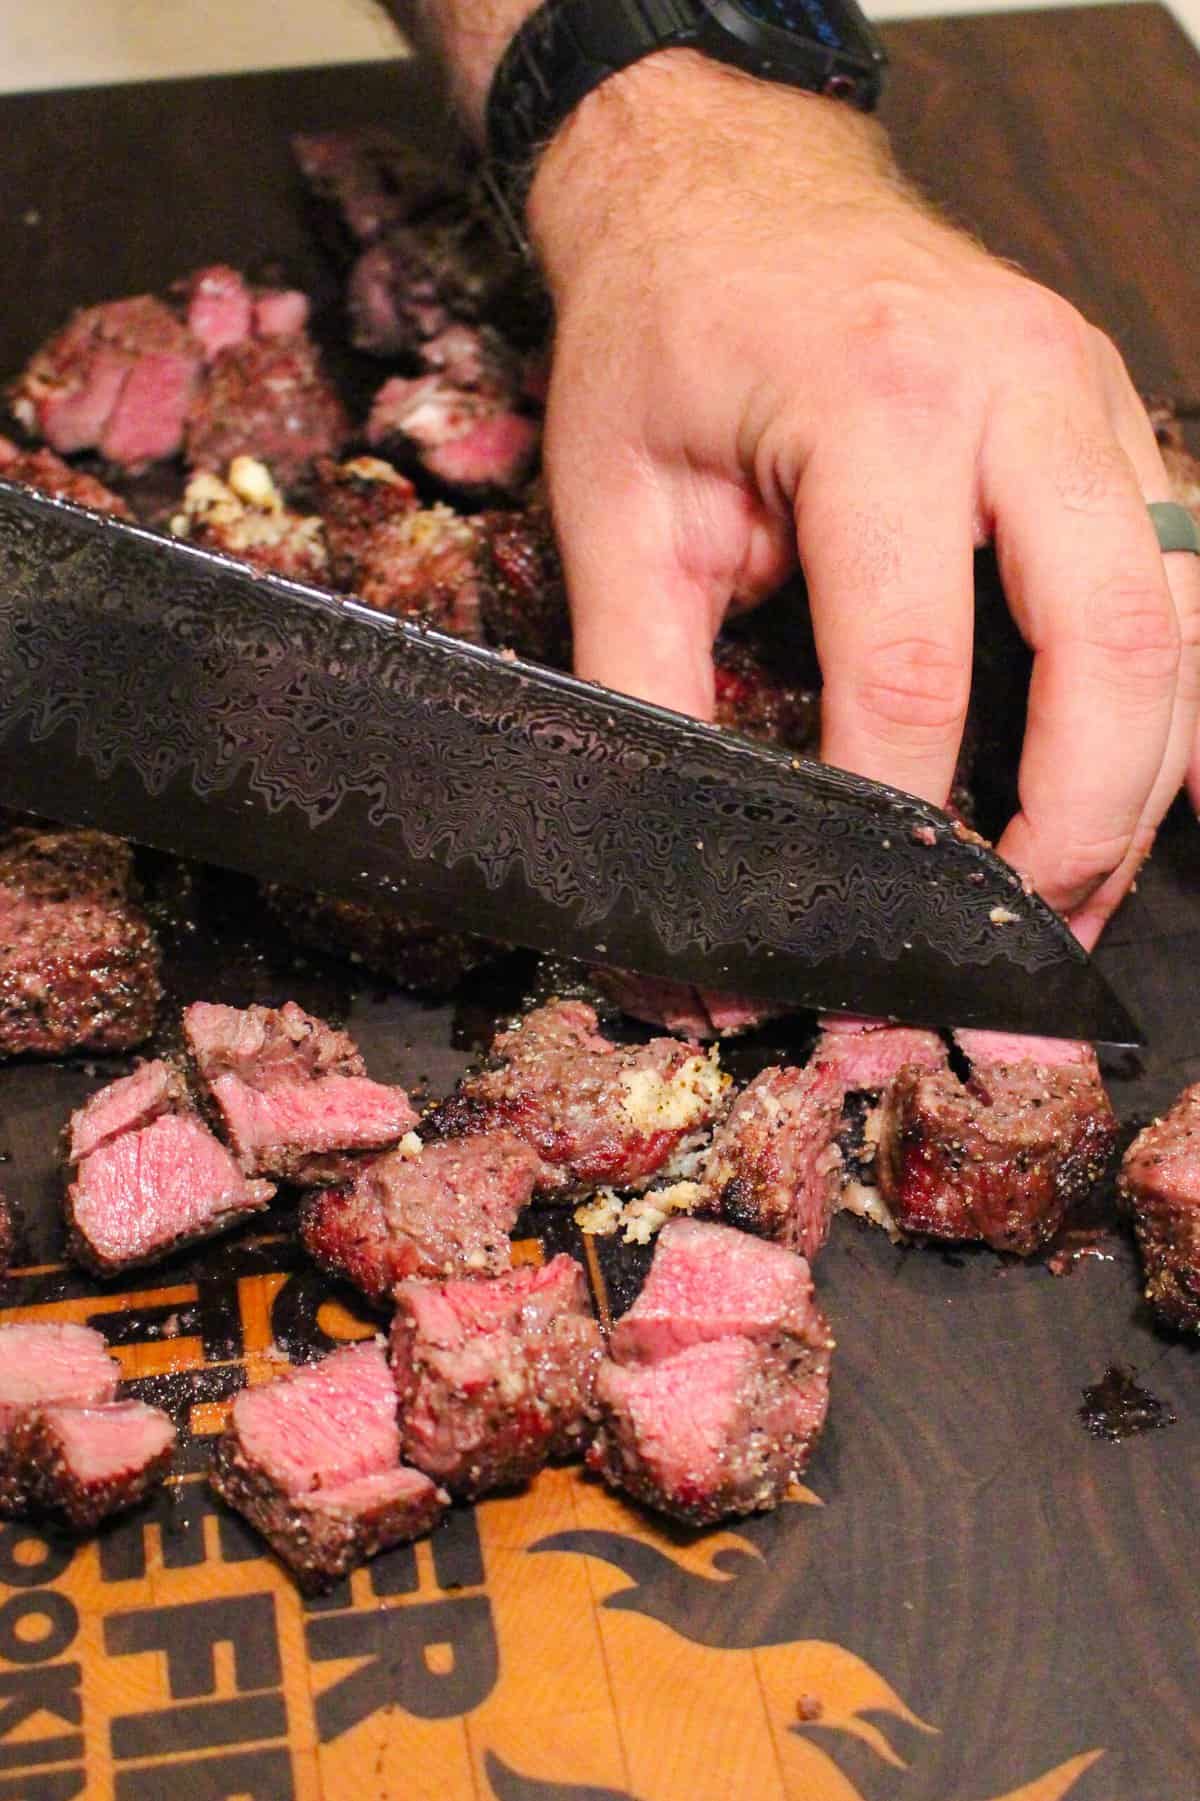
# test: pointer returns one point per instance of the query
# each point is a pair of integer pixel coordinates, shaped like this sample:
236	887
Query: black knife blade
184	701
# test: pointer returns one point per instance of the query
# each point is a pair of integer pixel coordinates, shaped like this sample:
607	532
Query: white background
61	43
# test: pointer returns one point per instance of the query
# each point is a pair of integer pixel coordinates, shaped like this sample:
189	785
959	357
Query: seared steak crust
523	594
1000	1160
84	1463
1160	1179
774	1166
79	964
494	1377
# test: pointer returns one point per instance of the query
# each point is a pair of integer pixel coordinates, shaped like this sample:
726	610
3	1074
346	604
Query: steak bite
412	283
437	1210
266	398
1160	1179
678	1007
750	698
78	961
42	470
148	1191
354	498
243	515
709	1281
774	1166
67	1446
866	1056
118	377
374	178
494	1377
1001	1158
719	1379
595	1112
125	1105
523	594
85	1463
313	1462
292	1093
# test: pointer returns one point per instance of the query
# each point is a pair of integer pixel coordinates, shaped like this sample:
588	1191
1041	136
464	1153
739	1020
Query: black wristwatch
568	47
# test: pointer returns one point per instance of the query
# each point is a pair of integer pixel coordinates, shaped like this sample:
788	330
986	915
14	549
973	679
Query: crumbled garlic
657	1103
600	1216
410	1145
246	511
1003	916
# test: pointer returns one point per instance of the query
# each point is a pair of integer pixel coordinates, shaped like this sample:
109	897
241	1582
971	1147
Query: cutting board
971	1598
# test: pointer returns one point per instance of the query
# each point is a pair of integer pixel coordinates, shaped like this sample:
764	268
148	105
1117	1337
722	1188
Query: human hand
764	343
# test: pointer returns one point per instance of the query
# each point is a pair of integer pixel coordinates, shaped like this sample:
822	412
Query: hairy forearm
470	37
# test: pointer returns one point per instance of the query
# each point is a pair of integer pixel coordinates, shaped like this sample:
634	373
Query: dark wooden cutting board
973	1599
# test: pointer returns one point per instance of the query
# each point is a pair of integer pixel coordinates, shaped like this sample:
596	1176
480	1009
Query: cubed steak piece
85	1463
292	1093
494	1377
750	698
44	1364
710	1281
354	498
722	1428
442	1209
417	563
595	1112
267	398
405	950
43	470
244	515
313	1462
373	178
1160	1179
125	1105
119	377
691	1012
774	1166
1001	1158
413	282
78	961
151	1190
866	1056
523	594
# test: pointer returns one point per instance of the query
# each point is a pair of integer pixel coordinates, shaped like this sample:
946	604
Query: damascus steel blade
186	702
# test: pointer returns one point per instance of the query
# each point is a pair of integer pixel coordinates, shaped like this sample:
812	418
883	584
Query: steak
690	1012
266	398
354	499
1001	1158
405	950
147	1191
437	1210
222	310
78	961
774	1166
866	1056
1160	1179
42	470
126	1105
244	515
413	282
750	698
313	1462
118	377
372	179
494	1377
475	442
707	1282
595	1112
292	1093
67	1446
84	1463
523	594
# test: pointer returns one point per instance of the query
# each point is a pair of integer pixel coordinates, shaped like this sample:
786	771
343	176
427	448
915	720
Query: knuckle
1131	626
894	353
913	685
1048	327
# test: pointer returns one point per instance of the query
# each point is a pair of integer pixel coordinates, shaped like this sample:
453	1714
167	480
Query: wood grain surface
976	1600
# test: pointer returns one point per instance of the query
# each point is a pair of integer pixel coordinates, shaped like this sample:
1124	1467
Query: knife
181	699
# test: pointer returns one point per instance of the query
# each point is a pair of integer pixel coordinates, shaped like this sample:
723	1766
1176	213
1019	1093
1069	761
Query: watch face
802	18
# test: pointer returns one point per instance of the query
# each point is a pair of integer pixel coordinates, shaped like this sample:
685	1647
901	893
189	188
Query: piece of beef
43	470
293	1094
266	398
1160	1179
79	964
709	1281
442	1209
690	1012
244	515
718	1383
1003	1157
146	1192
85	1463
414	282
721	1428
44	1364
494	1377
523	595
354	498
118	377
774	1166
313	1462
595	1112
222	309
373	178
473	441
750	698
405	950
125	1105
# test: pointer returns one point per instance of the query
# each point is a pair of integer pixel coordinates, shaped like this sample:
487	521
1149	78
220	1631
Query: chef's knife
181	699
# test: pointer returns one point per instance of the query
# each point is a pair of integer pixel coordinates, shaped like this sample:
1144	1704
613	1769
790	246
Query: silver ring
1175	527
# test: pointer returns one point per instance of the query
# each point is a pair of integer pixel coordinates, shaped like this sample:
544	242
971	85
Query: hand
766	344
